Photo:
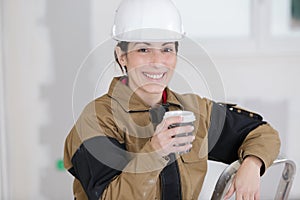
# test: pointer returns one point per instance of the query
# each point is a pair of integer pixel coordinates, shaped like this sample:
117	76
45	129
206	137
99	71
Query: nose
157	57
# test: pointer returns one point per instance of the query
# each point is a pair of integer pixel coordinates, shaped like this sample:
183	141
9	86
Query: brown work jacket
108	150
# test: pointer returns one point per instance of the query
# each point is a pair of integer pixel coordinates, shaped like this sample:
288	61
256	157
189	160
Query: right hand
164	140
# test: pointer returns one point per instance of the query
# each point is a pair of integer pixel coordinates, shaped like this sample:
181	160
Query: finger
251	196
183	140
183	148
164	125
238	196
184	130
245	198
172	120
257	196
230	192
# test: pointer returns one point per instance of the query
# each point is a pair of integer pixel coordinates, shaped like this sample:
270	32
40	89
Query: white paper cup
188	118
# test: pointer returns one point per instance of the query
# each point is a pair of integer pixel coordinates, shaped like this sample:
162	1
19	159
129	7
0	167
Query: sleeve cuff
264	165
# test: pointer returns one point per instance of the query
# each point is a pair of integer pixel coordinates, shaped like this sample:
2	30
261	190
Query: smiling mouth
154	76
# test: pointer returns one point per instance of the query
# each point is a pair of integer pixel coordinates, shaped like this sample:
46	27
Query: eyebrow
166	43
136	43
147	43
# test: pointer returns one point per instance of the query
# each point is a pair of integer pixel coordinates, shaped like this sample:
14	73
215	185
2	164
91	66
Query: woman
122	148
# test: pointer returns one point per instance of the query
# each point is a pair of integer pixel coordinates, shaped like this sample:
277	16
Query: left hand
246	183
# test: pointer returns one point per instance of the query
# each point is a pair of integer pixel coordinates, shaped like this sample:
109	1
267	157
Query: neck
150	99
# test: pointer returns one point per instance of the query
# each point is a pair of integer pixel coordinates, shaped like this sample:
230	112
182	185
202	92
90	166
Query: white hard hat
147	20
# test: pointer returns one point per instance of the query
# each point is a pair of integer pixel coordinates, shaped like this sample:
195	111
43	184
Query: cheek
171	62
133	62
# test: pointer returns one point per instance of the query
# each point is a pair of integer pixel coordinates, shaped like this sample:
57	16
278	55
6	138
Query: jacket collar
130	101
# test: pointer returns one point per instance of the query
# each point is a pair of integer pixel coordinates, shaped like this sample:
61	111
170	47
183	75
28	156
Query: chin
154	89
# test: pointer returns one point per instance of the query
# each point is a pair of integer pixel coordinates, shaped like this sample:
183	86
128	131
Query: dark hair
124	47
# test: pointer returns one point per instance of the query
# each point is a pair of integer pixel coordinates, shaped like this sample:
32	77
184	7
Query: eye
143	50
167	49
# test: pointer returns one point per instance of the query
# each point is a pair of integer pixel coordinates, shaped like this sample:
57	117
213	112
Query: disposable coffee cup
188	118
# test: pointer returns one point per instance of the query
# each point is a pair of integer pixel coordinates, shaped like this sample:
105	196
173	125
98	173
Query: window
215	18
285	18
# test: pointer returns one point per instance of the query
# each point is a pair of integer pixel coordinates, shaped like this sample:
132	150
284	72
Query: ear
121	56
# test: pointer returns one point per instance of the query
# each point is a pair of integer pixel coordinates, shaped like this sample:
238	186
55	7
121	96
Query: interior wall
268	85
45	43
3	142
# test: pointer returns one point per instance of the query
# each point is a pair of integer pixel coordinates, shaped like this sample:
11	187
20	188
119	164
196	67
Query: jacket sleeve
91	167
235	133
103	166
139	178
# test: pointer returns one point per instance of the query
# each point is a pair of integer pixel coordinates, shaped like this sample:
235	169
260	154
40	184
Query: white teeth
154	76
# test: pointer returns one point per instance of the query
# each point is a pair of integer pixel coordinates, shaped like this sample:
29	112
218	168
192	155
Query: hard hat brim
149	35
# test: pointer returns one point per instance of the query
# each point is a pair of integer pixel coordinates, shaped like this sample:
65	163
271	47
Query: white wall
27	65
45	43
268	84
3	142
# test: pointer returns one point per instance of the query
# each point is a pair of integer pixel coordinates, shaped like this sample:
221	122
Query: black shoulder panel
96	162
228	128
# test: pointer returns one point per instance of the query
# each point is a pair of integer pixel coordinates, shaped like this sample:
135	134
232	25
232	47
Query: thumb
230	192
